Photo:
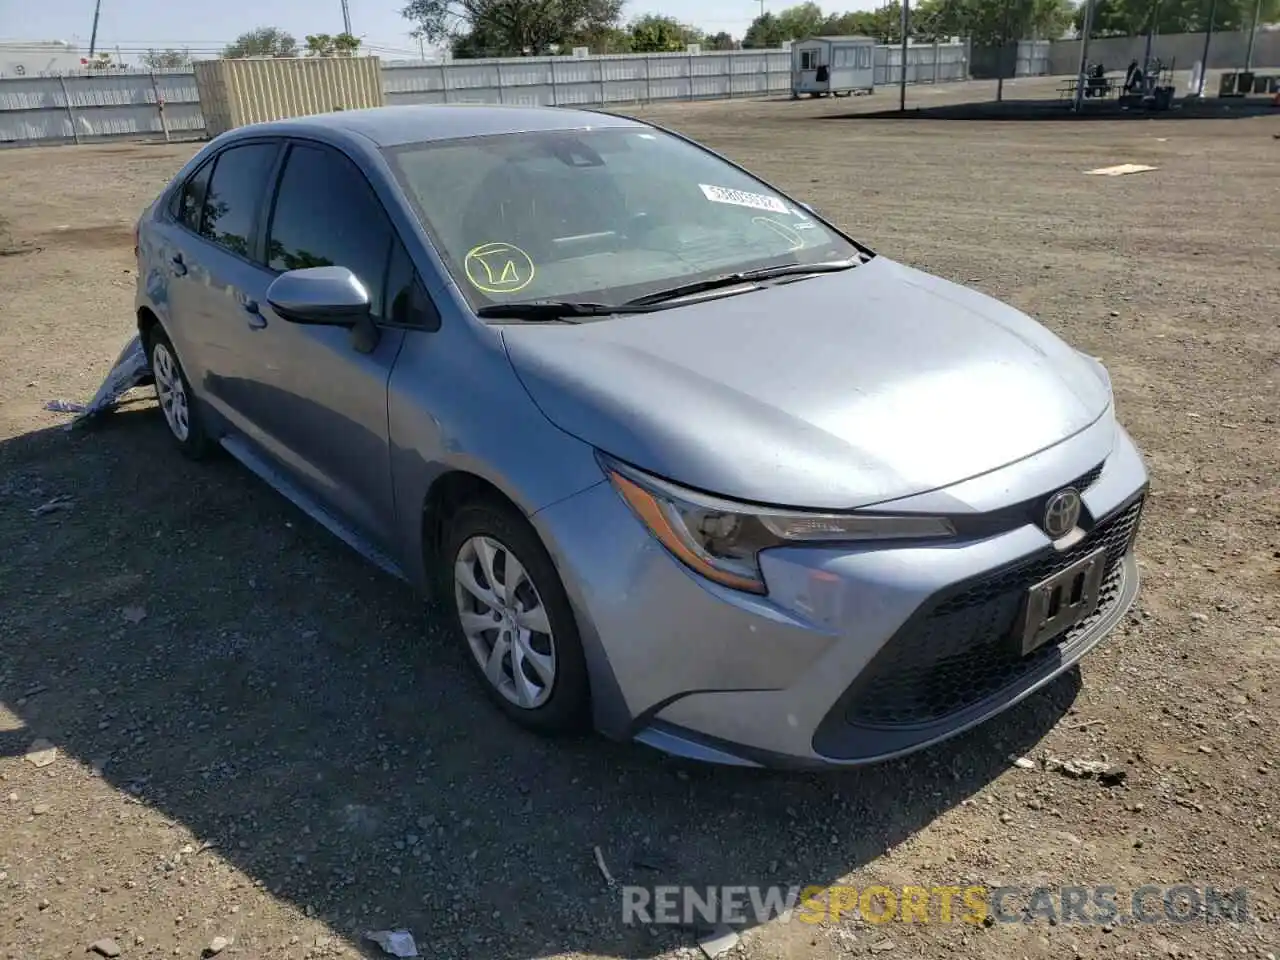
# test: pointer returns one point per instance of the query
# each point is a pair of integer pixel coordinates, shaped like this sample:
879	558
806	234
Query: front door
323	408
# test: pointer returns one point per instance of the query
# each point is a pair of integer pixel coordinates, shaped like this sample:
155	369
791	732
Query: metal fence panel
926	63
36	126
30	93
109	91
126	103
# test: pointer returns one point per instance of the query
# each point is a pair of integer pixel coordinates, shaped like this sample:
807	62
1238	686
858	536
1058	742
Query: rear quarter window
235	194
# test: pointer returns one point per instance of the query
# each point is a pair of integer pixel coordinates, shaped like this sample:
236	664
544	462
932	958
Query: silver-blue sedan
680	458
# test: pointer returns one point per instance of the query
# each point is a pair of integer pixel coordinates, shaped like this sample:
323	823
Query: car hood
838	391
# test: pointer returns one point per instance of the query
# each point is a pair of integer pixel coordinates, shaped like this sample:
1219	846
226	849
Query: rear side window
191	201
326	214
235	190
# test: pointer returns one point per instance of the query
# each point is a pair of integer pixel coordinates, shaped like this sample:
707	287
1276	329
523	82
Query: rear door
217	278
327	413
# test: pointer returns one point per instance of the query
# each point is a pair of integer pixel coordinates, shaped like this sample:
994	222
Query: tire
173	394
549	705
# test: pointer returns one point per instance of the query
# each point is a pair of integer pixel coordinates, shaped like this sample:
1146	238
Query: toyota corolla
678	458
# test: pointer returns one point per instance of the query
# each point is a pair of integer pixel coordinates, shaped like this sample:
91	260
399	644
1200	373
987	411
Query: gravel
248	732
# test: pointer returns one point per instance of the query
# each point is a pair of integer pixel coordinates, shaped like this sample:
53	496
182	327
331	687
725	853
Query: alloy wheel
505	622
171	392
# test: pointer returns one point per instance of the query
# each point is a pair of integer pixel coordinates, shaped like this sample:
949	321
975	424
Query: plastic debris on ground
398	943
56	505
129	370
1119	170
65	406
41	753
604	870
719	943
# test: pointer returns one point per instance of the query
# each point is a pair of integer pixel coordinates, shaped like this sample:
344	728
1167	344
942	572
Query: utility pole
762	7
1151	29
1084	54
902	79
346	18
1004	50
1204	60
1253	32
93	36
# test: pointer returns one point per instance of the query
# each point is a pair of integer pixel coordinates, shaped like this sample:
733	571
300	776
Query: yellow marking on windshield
497	268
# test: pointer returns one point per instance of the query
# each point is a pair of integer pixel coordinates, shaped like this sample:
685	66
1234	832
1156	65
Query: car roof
416	123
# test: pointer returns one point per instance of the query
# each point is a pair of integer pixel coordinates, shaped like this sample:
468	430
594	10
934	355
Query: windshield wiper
549	310
742	276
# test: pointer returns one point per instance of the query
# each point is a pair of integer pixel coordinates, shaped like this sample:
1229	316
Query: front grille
962	650
1089	479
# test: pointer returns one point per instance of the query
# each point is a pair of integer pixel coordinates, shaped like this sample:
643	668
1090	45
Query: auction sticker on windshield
741	198
495	268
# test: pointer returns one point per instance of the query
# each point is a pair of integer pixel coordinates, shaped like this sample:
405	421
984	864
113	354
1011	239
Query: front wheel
173	393
513	615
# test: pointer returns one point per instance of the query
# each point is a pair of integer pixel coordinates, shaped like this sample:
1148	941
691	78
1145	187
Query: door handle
256	320
179	267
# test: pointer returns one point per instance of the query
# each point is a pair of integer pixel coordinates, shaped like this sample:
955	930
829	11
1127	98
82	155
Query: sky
207	25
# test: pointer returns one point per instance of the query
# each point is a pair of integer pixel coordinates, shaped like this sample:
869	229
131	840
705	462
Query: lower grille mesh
962	651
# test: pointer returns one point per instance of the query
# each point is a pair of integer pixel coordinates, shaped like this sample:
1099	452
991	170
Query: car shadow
223	660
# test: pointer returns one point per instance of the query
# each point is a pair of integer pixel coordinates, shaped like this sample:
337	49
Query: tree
656	34
324	45
804	20
262	42
512	27
765	33
884	23
991	22
1134	17
166	59
346	45
722	41
809	20
600	40
986	22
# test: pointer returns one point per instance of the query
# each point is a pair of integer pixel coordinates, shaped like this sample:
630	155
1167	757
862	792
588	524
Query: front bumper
855	656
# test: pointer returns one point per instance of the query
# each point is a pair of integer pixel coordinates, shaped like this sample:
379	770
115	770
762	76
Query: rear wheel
173	393
513	616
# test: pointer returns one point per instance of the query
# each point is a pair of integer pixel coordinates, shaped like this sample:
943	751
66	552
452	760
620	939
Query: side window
235	190
191	198
326	214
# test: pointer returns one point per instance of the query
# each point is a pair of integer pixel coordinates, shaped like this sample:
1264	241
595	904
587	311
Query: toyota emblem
1061	513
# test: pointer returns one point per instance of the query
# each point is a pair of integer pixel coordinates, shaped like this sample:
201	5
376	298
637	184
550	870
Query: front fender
455	405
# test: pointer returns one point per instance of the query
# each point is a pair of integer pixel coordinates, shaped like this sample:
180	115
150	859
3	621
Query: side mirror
331	296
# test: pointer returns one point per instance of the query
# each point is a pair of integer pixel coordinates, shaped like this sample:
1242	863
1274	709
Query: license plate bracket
1057	603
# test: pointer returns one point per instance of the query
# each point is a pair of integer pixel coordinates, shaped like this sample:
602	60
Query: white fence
926	63
138	103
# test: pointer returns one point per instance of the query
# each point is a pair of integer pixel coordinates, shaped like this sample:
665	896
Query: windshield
603	215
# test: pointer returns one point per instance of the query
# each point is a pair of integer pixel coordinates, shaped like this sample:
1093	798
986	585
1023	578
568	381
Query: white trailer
833	66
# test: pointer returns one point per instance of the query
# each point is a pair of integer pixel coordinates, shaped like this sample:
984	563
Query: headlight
722	540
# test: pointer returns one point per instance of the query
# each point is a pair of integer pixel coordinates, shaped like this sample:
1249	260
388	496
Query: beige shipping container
236	92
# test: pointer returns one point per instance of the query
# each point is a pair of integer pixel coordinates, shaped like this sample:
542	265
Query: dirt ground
261	738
